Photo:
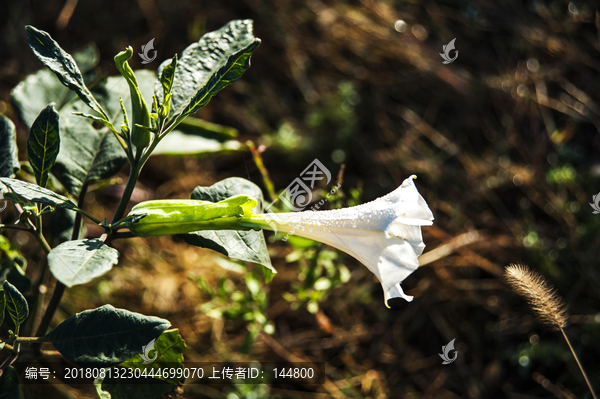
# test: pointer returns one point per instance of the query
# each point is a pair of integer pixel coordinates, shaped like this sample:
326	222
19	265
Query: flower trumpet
384	234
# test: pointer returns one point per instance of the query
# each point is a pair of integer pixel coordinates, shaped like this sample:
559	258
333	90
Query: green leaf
169	349
10	384
12	266
43	87
2	306
61	225
167	74
9	155
43	144
243	245
33	192
105	336
86	153
16	305
80	261
178	143
49	53
218	59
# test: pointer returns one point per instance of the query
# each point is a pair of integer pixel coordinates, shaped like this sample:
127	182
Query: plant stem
14	227
579	364
42	241
134	173
59	288
31	339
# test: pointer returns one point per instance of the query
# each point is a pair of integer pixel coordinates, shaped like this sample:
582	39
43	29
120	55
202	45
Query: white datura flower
384	234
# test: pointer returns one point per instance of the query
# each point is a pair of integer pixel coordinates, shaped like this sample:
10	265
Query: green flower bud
140	137
163	217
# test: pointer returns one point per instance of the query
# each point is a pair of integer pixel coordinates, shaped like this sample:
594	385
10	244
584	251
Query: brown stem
579	364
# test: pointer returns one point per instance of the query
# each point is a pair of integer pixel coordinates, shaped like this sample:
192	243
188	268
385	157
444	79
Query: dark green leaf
218	59
86	153
168	352
33	192
80	261
43	87
49	53
229	73
10	384
105	336
243	245
61	225
43	144
16	305
9	155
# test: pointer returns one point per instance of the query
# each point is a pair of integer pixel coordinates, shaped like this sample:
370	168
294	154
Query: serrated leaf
10	384
43	144
16	305
43	87
34	193
216	60
243	245
105	336
61	63
9	155
80	261
169	349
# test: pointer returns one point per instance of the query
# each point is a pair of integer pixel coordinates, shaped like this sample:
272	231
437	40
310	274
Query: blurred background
504	141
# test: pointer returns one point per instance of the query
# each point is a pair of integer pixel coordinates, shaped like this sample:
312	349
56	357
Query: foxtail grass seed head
539	293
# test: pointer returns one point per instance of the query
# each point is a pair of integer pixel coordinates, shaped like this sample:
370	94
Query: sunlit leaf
80	261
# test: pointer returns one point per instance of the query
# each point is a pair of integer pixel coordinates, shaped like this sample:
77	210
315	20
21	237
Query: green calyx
164	217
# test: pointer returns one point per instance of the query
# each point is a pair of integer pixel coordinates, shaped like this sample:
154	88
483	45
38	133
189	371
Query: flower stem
579	364
134	174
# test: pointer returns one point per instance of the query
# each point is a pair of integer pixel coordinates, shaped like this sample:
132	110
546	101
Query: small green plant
69	148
